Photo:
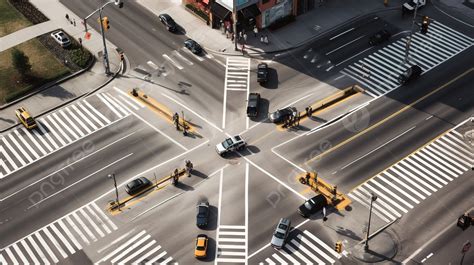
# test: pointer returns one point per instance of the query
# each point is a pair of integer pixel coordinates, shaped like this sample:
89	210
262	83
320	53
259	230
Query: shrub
80	57
21	62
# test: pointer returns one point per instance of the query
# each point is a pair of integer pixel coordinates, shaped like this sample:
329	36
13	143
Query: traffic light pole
106	55
408	44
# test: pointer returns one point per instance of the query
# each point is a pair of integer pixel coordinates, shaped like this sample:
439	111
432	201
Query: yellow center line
389	117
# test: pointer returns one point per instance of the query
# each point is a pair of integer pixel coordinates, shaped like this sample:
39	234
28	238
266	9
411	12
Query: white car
411	5
61	38
230	144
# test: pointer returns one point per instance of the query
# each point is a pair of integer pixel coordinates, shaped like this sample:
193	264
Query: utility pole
235	17
408	43
112	176
373	197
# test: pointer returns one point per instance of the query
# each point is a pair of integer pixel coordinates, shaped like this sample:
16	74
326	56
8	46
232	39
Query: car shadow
180	30
251	149
45	128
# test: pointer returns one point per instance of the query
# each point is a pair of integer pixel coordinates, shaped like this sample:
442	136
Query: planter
198	13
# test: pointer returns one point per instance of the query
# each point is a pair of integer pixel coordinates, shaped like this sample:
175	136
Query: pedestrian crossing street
237	74
58	240
139	249
408	182
21	147
231	244
378	72
305	248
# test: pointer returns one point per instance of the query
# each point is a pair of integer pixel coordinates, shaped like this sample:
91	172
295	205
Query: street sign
466	247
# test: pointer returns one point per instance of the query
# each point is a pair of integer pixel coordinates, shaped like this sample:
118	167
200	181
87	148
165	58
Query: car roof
318	199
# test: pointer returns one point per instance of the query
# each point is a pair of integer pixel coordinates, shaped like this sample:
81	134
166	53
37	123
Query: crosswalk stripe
386	198
74	128
192	54
33	140
231	240
38	250
430	173
24	143
450	157
304	250
78	121
128	102
397	170
11	256
96	112
445	143
452	135
441	25
437	36
309	252
397	69
87	111
104	226
60	129
118	103
231	233
177	65
322	244
7	156
76	229
118	106
46	247
279	259
288	256
121	247
232	246
86	229
269	261
159	256
69	234
397	187
5	167
54	241
231	253
437	157
96	228
403	184
386	71
391	193
182	57
146	255
107	219
406	164
30	253
356	77
414	177
432	167
138	252
424	47
53	132
381	204
130	98
18	157
84	117
450	33
235	227
129	249
374	74
3	261
62	238
42	139
20	254
118	114
380	212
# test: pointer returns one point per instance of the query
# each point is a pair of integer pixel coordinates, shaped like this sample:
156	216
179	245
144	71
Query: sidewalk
66	91
306	27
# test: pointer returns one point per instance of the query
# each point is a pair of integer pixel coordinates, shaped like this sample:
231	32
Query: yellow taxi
200	251
25	118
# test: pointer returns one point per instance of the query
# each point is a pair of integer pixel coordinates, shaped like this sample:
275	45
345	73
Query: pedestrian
243	48
245	37
232	37
265	39
261	39
310	111
74	21
67	17
307	111
241	35
255	31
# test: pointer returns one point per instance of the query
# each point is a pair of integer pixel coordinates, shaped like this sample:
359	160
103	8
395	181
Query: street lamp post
372	199
408	43
112	176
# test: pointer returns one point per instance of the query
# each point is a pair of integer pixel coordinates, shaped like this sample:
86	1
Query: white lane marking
124	245
287	160
396	187
219	205
96	112
224	104
322	244
182	57
88	219
76	229
236	227
186	50
403	184
159	131
385	198
152	65
269	261
348	43
246	208
419	173
391	193
353	56
356	196
340	34
177	65
298	254
237	89
46	247
285	254
247	120
30	135
4	261
283	262
130	97
86	228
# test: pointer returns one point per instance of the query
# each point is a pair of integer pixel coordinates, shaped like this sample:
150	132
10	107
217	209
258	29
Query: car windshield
283	226
202	211
308	205
279	235
227	143
201	248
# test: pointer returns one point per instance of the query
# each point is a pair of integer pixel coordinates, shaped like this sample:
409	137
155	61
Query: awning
219	11
205	2
251	11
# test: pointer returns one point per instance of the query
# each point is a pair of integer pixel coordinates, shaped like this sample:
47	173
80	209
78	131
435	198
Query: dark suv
313	205
410	74
262	73
168	22
253	105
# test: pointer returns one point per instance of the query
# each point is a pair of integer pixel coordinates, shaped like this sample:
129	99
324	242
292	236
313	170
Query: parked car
200	250
193	46
137	185
24	117
313	205
202	215
379	37
411	73
253	105
168	21
281	233
61	38
262	73
230	144
281	114
411	5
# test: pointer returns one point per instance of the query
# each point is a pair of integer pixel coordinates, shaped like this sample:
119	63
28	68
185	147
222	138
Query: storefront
221	16
282	9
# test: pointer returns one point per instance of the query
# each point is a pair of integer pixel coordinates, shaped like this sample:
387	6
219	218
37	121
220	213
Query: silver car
281	233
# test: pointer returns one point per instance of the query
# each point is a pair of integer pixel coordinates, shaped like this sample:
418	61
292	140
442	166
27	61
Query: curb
117	72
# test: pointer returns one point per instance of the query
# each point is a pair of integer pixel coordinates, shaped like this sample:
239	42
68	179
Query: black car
379	37
262	73
168	22
193	46
281	114
137	185
410	74
312	205
202	216
253	105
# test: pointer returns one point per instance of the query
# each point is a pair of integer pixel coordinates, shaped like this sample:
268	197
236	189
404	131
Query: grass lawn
11	19
45	67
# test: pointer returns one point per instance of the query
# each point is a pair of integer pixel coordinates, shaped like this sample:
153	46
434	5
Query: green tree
21	62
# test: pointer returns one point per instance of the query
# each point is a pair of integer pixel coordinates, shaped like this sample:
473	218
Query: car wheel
240	148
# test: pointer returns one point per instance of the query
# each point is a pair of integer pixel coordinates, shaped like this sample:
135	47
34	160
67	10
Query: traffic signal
338	247
121	57
424	25
105	23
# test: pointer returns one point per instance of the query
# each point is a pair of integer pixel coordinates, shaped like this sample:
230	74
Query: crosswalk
21	147
408	182
237	75
231	244
378	72
61	238
175	60
304	248
138	249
